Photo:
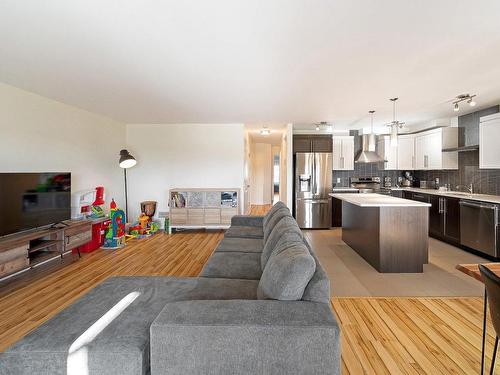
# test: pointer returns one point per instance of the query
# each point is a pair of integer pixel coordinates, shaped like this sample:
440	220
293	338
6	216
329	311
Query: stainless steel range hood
365	155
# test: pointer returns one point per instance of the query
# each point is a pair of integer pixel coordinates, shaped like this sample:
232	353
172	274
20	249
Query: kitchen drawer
14	260
78	239
212	216
13	265
178	216
18	252
226	214
195	216
77	229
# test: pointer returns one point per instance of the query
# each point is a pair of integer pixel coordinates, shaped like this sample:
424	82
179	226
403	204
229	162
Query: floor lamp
126	161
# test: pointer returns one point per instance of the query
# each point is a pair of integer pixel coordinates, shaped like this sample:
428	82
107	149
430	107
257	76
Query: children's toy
144	221
145	226
115	232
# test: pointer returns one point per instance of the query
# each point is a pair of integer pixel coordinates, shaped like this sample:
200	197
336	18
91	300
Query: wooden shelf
43	256
202	208
44	244
26	250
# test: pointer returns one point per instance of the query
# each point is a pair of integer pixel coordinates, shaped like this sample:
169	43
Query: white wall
38	134
183	156
262	172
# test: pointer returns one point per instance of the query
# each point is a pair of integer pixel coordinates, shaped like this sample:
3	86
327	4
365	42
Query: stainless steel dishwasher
479	226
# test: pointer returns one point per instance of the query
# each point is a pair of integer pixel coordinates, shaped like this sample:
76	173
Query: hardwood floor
379	335
260	210
37	296
412	335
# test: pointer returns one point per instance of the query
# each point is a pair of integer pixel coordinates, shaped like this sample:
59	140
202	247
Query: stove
366	184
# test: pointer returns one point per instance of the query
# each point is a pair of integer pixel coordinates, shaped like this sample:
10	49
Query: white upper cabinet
429	147
343	153
489	138
406	152
388	152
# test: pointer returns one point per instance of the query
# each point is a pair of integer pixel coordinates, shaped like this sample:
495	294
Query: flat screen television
33	200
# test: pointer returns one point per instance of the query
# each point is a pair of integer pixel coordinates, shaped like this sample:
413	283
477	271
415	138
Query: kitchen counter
339	189
453	194
377	200
391	234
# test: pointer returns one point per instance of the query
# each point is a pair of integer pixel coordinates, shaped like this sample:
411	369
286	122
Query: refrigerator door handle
315	185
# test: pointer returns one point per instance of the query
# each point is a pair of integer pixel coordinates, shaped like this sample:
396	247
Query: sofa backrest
273	220
287	274
286	224
318	289
272	211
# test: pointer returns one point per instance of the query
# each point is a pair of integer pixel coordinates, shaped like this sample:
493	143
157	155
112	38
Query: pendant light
372	141
394	125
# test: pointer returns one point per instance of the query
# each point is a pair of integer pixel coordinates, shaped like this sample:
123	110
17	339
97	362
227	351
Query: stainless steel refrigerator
313	182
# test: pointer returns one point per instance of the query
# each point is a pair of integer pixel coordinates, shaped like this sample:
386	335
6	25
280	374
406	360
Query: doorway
276	177
264	170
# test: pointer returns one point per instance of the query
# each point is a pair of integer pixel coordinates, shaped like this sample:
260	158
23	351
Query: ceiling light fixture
461	98
372	141
265	131
394	125
317	127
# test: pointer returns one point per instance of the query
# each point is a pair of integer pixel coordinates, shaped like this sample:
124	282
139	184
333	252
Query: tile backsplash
485	181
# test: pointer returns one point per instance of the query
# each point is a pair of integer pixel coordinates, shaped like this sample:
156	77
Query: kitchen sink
461	194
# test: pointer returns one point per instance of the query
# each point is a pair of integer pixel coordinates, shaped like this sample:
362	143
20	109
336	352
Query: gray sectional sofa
261	305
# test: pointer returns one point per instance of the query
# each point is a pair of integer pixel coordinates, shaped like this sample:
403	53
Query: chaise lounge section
250	311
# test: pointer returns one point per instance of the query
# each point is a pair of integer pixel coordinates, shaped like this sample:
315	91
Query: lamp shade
126	160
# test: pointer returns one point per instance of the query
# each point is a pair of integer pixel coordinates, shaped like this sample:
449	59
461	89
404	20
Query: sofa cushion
286	225
244	232
107	330
271	223
242	245
318	288
233	265
245	337
287	274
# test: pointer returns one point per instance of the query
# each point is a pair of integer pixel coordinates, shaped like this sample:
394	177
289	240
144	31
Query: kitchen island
390	233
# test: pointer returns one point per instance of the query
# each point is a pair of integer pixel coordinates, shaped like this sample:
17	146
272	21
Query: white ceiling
248	61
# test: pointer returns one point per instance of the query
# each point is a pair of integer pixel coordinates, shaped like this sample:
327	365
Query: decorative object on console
81	201
126	161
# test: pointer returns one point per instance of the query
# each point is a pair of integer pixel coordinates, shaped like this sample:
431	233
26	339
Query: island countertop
377	200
